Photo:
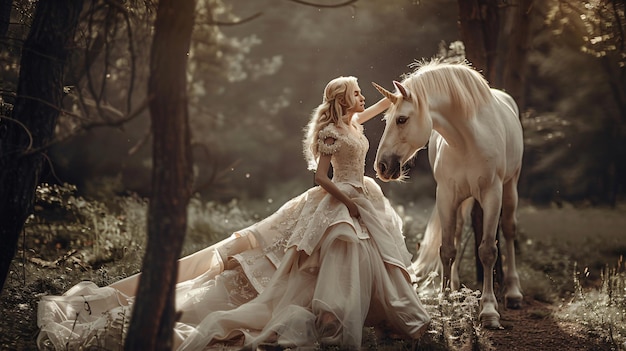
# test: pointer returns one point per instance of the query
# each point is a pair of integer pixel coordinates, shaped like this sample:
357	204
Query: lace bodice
348	152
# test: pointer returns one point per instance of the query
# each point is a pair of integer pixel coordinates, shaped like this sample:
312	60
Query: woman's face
358	100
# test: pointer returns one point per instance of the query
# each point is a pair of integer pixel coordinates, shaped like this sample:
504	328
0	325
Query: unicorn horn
386	93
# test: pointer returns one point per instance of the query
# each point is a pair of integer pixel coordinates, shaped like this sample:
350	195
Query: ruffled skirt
307	274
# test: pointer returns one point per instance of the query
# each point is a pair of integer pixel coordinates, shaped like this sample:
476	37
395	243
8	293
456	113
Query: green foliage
64	222
116	232
455	324
87	231
252	86
543	272
210	222
108	241
599	24
21	17
579	75
88	239
603	310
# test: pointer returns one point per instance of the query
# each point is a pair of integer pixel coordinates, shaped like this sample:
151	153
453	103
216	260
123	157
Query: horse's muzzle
389	168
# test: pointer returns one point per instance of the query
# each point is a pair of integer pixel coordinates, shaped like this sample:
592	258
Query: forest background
254	85
257	69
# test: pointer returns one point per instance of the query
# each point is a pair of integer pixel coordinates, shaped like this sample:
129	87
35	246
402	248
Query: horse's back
509	116
507	100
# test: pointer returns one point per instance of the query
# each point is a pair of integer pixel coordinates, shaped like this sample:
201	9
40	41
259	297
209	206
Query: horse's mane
468	90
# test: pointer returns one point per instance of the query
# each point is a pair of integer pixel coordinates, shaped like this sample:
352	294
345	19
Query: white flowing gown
309	273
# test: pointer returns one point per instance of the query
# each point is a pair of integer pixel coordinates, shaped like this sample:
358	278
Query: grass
69	239
602	310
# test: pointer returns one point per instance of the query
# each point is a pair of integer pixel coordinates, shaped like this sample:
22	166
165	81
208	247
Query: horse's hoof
489	323
513	302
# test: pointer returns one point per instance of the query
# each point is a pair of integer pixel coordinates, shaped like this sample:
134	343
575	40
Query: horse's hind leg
462	216
513	292
491	202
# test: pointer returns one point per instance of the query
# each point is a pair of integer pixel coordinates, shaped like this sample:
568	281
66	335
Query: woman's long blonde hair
337	99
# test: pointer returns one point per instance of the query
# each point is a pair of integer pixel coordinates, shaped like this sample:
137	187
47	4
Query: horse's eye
402	120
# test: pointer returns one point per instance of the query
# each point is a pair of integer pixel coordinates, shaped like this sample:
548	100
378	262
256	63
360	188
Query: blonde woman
344	263
327	263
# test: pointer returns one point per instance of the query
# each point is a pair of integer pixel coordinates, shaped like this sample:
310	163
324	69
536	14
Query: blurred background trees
268	72
256	70
575	127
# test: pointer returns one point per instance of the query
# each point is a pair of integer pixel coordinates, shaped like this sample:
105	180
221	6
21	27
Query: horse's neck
455	132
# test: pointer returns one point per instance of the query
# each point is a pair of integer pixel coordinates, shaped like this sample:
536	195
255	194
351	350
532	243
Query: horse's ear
401	89
386	93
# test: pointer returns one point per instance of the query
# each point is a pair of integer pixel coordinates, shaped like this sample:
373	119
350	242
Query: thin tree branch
302	2
11	42
235	23
133	60
110	31
44	102
51	165
620	28
90	83
29	150
144	139
110	123
30	136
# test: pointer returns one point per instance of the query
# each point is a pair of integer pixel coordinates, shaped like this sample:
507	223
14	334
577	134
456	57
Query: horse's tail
427	266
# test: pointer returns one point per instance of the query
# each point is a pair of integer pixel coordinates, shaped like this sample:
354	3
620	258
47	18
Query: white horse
475	147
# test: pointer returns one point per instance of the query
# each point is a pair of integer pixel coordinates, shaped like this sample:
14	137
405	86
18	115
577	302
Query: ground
592	237
555	243
534	328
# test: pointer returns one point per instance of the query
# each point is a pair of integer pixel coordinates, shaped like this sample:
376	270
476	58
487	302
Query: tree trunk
35	113
479	27
5	16
515	33
153	313
495	34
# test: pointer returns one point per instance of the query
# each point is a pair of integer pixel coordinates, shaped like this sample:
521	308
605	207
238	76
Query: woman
326	264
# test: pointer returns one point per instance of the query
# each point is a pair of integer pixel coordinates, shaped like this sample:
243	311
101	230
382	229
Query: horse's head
407	130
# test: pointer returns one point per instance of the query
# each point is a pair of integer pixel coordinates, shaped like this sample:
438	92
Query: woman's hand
354	210
321	178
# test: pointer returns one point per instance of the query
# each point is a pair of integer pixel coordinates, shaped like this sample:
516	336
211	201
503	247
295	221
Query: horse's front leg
488	252
513	293
447	252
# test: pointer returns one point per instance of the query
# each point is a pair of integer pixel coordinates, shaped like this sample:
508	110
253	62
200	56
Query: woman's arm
321	178
373	110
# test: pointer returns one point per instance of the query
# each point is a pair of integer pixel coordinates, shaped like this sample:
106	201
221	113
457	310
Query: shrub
602	310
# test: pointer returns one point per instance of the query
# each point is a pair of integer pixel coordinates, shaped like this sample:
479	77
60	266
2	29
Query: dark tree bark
35	113
5	16
495	34
513	49
479	27
153	313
